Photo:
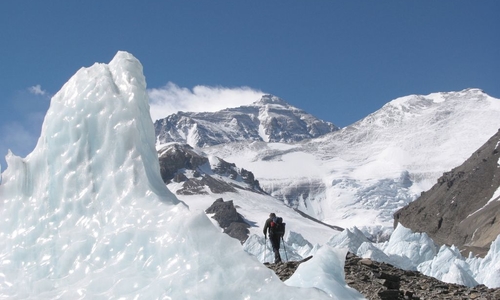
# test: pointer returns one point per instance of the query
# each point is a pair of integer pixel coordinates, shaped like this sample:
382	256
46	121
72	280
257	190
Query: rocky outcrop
385	282
461	208
176	157
229	219
182	164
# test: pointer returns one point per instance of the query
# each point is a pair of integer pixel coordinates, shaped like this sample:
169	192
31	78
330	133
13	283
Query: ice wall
87	216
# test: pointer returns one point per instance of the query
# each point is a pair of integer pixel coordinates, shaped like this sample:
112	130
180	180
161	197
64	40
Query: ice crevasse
87	216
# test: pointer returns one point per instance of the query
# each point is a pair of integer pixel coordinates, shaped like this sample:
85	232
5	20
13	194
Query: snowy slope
361	174
87	216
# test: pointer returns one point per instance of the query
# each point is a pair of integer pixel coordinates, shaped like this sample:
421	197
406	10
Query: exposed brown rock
456	209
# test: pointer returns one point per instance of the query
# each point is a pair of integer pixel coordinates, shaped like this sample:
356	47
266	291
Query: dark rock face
181	163
382	281
457	209
176	157
196	186
229	219
249	179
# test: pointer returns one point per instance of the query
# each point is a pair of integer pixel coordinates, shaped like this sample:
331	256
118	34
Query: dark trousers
275	243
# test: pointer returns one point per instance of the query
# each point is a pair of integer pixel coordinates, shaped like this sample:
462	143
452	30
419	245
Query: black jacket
267	227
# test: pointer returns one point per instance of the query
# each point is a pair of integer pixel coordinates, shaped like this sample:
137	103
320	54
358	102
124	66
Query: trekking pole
284	248
265	247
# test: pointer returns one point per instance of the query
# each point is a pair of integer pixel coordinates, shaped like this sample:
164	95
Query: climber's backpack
277	226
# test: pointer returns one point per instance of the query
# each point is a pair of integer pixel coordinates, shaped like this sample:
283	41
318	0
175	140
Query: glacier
87	216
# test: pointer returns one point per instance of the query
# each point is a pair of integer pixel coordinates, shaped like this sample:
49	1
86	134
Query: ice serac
99	124
86	214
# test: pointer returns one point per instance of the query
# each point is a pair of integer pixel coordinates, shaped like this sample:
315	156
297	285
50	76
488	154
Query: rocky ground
382	281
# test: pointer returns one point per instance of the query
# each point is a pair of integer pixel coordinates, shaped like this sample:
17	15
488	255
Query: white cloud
37	90
171	98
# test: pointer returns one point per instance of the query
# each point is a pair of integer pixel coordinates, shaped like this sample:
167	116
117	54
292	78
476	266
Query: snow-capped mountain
363	173
270	119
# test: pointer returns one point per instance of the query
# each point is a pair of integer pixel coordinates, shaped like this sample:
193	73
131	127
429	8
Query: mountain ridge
269	119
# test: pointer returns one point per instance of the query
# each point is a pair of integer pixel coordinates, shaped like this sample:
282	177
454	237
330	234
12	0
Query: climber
275	226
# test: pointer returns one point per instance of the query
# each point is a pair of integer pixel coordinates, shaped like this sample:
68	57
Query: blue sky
339	60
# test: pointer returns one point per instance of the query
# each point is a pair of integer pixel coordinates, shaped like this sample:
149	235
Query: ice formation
86	214
487	270
416	251
331	262
449	266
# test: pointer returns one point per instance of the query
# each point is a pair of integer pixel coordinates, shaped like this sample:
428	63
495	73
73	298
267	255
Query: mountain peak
434	98
270	119
271	99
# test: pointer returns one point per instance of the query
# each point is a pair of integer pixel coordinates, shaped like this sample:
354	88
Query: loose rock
383	281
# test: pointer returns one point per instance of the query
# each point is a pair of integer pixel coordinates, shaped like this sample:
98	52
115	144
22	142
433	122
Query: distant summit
270	99
270	119
431	109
